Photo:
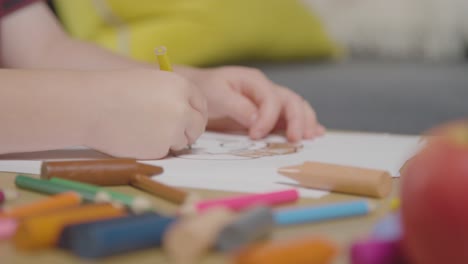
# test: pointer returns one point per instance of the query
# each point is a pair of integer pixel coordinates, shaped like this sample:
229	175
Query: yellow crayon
163	59
164	63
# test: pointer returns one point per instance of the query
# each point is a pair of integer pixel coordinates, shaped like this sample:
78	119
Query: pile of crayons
83	217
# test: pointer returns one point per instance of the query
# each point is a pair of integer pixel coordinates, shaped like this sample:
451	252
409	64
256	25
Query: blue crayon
320	213
69	232
115	236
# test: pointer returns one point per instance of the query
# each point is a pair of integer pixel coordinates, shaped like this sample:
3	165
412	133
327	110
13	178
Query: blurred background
379	66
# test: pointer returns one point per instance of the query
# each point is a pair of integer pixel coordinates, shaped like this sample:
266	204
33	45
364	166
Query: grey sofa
393	97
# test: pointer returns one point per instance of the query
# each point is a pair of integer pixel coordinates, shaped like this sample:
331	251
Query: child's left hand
244	98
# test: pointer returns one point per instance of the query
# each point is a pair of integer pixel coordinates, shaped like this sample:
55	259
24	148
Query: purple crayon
377	252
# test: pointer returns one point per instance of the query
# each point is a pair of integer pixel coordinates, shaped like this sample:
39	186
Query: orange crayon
44	230
300	251
50	204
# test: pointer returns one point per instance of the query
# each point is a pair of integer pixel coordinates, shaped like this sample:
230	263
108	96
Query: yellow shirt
199	32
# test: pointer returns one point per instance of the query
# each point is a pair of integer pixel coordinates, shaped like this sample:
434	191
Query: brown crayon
164	191
339	178
109	172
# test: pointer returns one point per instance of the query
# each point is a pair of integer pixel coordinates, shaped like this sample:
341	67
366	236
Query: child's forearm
43	110
48	46
74	54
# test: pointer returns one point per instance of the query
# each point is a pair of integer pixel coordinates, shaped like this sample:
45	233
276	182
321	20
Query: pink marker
239	203
7	228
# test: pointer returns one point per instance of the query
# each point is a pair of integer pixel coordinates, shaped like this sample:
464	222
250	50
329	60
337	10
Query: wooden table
342	231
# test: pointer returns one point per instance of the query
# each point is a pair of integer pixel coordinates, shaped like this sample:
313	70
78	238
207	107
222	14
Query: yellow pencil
164	63
163	59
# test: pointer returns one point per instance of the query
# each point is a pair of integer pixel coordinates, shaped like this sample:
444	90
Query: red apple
435	198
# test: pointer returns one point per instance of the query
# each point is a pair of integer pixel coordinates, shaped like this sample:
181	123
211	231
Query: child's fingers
180	141
294	114
191	128
263	93
321	130
191	121
225	124
241	109
268	114
198	102
197	117
312	127
195	126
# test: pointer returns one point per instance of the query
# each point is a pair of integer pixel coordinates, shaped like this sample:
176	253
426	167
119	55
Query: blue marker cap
323	212
116	236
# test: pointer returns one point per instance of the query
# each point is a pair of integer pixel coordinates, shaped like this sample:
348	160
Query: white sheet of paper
214	164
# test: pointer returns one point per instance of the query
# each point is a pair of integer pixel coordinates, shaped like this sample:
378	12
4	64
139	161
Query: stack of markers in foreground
93	222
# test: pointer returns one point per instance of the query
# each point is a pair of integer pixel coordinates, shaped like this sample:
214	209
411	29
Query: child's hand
145	113
240	97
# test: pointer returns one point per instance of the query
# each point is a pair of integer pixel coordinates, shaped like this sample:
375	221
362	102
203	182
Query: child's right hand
145	113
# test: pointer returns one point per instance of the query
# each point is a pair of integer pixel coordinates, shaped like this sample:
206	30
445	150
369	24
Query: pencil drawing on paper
221	147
